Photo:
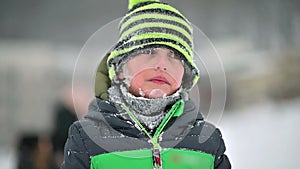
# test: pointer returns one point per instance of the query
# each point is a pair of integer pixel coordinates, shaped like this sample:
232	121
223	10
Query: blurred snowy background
257	40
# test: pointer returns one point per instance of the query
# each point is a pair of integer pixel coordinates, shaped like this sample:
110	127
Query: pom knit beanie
152	24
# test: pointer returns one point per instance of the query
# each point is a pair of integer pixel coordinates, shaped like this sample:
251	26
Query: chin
157	93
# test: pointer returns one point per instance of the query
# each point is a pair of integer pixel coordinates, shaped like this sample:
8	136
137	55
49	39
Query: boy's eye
174	55
171	53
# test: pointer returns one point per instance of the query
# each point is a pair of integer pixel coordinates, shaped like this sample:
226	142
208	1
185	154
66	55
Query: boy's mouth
160	80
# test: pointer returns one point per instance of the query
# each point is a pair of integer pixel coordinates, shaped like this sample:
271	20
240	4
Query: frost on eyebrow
149	51
126	77
153	50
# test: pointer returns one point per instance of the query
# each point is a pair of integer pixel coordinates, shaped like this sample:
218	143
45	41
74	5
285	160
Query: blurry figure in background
65	115
142	116
35	152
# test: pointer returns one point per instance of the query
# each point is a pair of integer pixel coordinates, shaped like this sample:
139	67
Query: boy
142	116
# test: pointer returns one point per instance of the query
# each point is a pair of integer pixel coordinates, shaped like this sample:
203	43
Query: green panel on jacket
142	159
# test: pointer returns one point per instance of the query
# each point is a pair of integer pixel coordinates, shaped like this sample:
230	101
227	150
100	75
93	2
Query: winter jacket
103	140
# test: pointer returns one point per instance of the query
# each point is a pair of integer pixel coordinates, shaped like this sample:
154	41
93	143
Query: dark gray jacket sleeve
76	155
221	160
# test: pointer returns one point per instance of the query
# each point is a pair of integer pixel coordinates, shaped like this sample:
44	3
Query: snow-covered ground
265	136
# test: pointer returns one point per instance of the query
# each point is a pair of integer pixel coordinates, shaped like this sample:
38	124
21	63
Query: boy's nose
161	62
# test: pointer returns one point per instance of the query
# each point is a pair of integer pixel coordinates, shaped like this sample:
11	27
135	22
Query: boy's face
153	74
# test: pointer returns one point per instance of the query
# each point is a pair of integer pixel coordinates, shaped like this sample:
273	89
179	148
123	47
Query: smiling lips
160	80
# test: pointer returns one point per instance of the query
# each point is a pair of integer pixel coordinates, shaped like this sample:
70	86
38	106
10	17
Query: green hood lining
102	82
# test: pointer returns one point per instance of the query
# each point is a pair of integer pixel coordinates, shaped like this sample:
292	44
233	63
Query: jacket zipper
176	110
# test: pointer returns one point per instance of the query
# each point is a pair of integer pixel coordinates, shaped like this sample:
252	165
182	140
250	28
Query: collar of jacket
177	127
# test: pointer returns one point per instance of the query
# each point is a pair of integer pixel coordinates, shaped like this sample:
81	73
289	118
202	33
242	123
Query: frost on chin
157	93
141	92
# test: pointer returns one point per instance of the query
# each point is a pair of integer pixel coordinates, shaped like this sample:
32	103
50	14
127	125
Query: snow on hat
150	24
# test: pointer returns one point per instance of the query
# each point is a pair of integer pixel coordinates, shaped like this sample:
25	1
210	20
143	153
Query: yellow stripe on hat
156	16
161	35
132	3
153	6
165	25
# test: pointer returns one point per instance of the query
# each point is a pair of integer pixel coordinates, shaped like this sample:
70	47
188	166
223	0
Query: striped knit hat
150	24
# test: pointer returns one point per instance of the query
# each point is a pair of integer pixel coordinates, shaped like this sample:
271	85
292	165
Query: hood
102	82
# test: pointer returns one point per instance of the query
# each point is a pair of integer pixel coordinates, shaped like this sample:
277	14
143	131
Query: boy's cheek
137	82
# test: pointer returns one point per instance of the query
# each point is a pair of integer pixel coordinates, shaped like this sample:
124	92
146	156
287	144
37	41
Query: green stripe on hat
117	53
162	20
159	30
158	16
155	24
162	35
132	3
154	6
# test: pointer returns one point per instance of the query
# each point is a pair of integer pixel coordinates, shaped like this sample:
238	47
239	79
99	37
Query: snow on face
153	74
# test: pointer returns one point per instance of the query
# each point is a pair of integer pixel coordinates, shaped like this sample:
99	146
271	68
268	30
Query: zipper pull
156	156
